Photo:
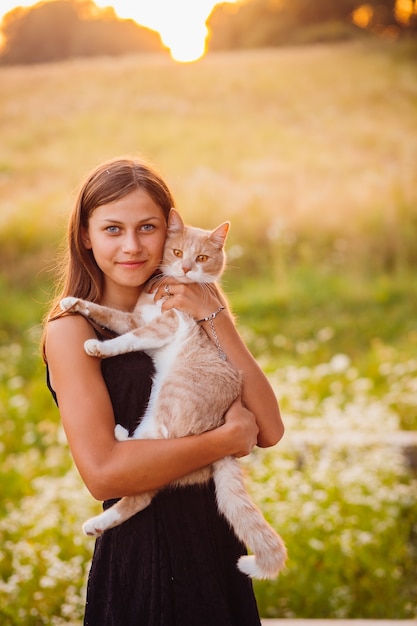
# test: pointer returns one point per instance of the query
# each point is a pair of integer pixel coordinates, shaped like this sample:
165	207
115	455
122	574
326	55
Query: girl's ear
85	238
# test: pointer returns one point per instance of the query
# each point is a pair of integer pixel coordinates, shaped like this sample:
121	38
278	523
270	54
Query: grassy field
317	143
311	153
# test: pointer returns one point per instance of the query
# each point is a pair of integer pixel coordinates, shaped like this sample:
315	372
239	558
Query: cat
193	387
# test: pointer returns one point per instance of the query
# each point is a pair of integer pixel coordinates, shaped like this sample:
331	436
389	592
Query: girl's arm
258	395
112	468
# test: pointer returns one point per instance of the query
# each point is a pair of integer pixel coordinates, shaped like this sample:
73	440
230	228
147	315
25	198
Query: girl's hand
241	428
196	299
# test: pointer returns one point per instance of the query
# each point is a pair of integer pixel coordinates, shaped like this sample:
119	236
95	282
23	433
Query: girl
173	564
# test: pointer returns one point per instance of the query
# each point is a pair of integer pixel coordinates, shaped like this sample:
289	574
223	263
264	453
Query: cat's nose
186	269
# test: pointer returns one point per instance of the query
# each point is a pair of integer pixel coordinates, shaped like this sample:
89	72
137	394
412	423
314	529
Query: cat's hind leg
121	433
117	514
123	509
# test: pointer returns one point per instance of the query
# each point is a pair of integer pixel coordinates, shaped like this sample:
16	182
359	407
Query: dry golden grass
292	141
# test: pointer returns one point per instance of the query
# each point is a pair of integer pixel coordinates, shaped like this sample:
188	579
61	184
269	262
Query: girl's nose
131	243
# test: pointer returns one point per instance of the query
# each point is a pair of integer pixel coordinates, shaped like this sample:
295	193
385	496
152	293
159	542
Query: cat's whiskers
207	290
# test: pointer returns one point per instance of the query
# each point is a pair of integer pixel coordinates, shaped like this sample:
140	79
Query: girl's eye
202	258
112	229
148	227
178	253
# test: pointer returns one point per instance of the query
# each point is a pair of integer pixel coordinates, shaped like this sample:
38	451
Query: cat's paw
121	433
68	303
92	347
95	526
91	529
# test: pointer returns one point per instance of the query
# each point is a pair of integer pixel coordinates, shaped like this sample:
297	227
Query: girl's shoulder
67	333
69	322
68	363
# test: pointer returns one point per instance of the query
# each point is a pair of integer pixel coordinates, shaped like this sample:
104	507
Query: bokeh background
297	121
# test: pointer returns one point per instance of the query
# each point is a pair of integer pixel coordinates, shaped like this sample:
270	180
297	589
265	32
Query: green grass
359	312
341	508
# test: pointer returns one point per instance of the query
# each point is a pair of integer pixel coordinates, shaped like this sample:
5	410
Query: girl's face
127	239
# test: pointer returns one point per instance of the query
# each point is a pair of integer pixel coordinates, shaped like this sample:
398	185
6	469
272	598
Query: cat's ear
175	223
219	234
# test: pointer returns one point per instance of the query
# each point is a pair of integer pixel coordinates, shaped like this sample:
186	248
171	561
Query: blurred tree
254	23
59	29
413	16
306	12
40	34
248	24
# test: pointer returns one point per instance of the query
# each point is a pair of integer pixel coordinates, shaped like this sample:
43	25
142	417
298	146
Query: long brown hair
80	275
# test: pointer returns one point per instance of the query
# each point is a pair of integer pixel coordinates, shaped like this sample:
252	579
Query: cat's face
192	254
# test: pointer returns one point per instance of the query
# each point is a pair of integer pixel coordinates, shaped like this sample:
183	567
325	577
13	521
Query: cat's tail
269	551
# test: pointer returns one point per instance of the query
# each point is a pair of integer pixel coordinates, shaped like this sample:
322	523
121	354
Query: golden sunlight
181	23
363	15
404	10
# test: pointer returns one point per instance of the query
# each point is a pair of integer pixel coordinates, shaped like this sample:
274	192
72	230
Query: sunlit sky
181	23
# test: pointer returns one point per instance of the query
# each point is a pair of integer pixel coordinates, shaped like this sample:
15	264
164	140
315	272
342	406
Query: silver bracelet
211	316
210	319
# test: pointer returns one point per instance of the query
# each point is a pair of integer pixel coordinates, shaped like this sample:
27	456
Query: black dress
174	563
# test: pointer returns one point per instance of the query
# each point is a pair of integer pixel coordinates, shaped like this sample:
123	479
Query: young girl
173	564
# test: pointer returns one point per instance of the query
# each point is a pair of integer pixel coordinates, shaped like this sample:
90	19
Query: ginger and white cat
192	389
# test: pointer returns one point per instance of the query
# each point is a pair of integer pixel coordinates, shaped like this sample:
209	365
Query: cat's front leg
94	311
75	304
117	321
112	347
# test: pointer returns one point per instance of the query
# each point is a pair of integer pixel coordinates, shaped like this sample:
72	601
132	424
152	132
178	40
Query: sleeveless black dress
174	563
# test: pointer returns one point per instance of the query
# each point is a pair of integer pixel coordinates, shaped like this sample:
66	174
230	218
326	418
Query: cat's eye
202	258
177	253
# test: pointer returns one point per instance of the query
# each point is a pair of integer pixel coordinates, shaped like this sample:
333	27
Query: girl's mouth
131	264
